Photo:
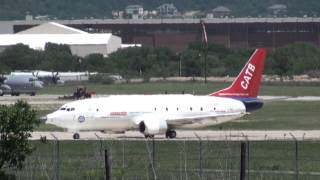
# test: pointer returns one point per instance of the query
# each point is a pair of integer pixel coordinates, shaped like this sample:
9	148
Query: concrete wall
113	45
86	49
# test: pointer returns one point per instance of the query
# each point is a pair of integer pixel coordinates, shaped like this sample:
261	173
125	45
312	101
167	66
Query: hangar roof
38	41
52	28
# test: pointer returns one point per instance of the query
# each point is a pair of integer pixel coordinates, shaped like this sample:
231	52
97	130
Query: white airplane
162	114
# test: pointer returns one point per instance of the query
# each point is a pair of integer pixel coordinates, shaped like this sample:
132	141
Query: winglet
247	84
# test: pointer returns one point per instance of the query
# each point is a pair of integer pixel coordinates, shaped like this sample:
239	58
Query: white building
277	10
81	43
167	10
134	9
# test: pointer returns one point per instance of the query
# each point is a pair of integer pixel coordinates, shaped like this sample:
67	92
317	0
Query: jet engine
153	126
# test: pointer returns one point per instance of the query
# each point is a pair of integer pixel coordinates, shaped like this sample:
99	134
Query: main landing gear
149	136
76	136
171	134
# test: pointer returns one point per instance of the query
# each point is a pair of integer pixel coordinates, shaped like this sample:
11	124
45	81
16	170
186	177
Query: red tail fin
247	84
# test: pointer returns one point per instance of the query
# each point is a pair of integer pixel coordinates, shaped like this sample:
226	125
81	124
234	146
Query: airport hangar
81	43
178	33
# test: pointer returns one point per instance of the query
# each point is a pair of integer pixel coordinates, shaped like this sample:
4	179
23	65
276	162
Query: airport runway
49	99
206	135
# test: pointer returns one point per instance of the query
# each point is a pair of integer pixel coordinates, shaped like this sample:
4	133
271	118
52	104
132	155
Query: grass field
172	160
177	88
296	115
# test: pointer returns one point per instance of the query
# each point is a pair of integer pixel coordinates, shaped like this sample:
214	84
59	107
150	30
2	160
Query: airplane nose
49	118
60	82
5	87
39	84
44	119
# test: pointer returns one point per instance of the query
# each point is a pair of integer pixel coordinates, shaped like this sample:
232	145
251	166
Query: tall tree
16	124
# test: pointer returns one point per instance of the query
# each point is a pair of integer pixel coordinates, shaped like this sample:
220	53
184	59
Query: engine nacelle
153	126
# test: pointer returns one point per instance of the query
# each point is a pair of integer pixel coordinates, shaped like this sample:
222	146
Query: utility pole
205	48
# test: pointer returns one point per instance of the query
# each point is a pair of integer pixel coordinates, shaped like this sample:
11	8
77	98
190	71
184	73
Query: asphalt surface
254	135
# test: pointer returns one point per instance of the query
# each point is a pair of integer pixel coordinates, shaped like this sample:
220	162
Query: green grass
187	87
293	115
85	159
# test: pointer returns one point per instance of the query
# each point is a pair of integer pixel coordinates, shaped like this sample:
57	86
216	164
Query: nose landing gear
76	136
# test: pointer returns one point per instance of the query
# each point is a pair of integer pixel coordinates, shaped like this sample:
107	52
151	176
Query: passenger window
166	109
201	109
155	109
190	108
177	109
97	110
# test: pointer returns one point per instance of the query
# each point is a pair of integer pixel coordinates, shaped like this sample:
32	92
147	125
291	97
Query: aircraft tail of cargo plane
163	114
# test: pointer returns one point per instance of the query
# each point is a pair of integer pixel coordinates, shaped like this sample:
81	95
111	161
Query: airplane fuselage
124	112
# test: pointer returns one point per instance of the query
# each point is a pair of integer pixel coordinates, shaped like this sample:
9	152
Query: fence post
200	158
248	155
200	155
100	140
296	156
57	154
248	160
153	152
107	165
243	161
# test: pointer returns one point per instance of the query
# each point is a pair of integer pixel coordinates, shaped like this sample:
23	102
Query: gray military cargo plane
20	84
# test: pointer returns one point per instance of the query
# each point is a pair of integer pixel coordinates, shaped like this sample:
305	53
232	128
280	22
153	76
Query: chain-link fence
172	159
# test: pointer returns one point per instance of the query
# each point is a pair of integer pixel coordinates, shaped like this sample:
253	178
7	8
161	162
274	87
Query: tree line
69	9
145	62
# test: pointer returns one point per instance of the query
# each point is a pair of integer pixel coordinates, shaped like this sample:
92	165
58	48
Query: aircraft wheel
149	136
171	134
76	136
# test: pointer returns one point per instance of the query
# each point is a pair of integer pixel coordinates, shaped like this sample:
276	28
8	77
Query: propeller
55	77
2	79
35	74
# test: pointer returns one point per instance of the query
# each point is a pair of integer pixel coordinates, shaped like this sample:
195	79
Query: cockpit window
68	109
72	109
63	109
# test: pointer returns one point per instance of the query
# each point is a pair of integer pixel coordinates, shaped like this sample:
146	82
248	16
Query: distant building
221	11
167	10
277	10
192	14
81	43
134	10
117	14
29	17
